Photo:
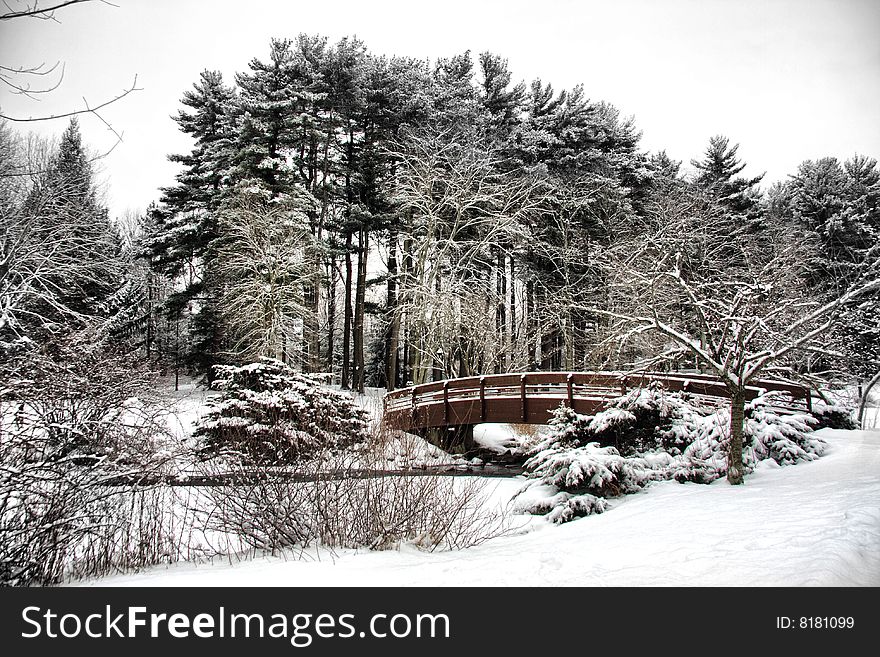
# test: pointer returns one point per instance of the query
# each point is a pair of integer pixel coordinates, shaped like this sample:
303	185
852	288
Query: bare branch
87	110
43	13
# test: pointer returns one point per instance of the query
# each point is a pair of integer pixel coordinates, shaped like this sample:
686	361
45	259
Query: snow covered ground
812	524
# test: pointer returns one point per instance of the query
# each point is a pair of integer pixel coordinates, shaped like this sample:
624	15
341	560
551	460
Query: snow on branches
659	436
270	414
719	297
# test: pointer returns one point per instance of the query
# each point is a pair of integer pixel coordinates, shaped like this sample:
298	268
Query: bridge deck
531	397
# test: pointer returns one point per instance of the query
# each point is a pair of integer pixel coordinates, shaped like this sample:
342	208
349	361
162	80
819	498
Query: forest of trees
385	221
395	220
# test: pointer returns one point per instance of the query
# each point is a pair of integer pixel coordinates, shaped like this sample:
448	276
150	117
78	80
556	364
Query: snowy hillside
814	524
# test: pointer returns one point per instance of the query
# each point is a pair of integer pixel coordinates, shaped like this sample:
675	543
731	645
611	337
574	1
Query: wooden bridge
445	412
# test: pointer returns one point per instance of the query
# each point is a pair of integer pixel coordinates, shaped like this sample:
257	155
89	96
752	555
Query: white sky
788	79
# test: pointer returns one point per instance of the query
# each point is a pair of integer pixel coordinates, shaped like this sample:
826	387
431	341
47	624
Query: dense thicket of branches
437	220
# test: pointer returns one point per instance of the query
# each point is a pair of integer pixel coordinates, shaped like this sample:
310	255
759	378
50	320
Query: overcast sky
787	79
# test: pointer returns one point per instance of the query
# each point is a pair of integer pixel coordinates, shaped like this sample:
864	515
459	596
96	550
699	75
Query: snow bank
817	524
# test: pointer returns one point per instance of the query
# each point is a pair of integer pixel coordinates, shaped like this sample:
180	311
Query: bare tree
461	213
263	268
736	307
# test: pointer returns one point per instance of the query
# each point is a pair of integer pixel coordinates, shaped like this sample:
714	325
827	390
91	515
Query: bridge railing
529	397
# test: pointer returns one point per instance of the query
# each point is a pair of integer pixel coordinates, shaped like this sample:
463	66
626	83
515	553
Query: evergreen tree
455	101
599	181
665	173
839	204
717	173
273	112
503	102
184	228
186	221
837	209
81	267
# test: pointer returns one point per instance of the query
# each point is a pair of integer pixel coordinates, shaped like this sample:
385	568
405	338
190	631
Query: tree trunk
331	314
360	294
407	281
314	314
501	292
568	337
531	324
394	316
345	379
734	456
547	352
513	331
349	199
863	398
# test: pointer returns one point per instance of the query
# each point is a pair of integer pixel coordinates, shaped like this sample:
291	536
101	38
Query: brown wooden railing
531	397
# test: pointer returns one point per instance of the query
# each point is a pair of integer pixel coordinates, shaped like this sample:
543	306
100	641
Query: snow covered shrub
576	478
704	459
269	414
79	400
671	438
787	438
642	419
833	416
590	469
60	520
563	507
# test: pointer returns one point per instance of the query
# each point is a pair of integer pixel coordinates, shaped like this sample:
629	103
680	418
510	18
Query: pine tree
717	173
272	104
839	205
184	227
454	97
837	209
599	180
503	102
186	221
81	248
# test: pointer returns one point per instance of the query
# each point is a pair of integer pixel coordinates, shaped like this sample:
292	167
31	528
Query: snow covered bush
571	474
576	478
833	416
560	507
642	419
76	399
787	438
270	414
591	469
568	481
346	500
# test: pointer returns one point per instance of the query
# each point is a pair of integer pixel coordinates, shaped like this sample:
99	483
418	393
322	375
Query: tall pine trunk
331	315
359	299
407	332
531	325
501	292
394	317
311	337
513	331
345	380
